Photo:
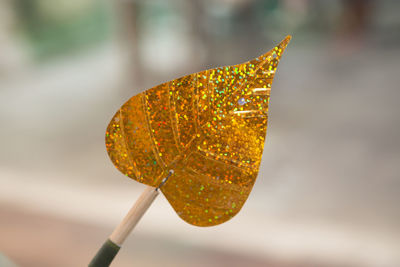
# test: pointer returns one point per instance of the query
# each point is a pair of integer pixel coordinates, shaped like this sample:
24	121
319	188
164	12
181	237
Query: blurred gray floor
328	188
81	241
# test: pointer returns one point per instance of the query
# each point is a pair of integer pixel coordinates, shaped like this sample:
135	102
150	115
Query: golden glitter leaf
209	127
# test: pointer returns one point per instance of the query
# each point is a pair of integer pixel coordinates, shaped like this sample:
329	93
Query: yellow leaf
209	127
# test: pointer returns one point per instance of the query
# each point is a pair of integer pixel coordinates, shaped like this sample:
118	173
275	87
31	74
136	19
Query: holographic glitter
209	127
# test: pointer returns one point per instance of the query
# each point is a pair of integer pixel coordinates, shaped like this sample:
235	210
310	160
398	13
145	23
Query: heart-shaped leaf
209	127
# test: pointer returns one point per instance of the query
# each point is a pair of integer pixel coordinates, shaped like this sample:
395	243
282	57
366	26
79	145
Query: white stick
134	215
110	248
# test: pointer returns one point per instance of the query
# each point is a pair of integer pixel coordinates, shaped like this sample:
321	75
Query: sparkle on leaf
209	127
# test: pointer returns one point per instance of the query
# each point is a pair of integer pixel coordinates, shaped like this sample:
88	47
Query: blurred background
328	191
